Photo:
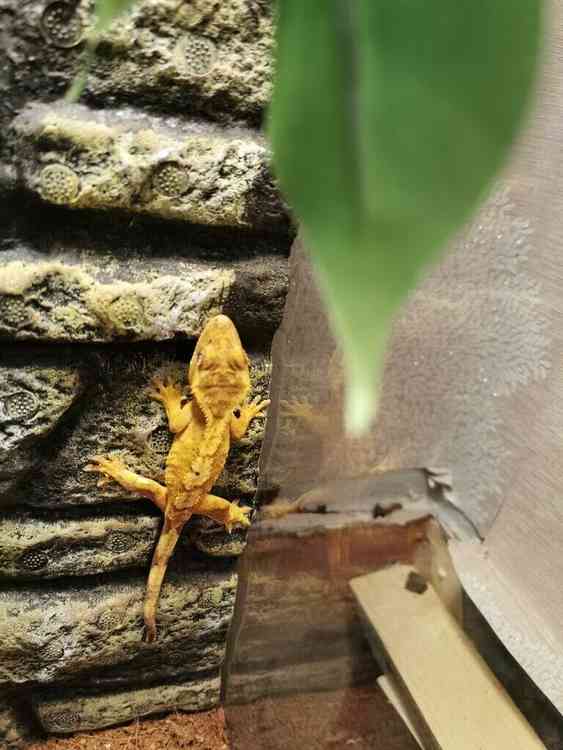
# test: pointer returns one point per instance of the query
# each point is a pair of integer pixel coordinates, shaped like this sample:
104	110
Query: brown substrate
178	731
359	718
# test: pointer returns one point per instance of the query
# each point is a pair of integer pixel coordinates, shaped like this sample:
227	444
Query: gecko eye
203	363
237	413
238	361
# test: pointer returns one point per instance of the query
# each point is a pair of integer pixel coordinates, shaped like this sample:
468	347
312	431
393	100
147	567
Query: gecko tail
166	544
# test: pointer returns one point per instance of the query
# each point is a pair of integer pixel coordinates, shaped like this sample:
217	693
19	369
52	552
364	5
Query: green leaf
75	90
389	120
107	10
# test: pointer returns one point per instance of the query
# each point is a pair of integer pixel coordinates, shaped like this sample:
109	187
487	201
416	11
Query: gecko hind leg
166	544
114	468
226	513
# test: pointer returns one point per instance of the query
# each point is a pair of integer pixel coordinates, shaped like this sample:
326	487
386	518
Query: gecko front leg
242	417
172	397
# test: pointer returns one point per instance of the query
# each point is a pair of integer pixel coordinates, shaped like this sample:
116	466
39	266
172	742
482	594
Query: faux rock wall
127	220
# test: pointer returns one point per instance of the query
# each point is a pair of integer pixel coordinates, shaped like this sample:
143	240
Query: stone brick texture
128	218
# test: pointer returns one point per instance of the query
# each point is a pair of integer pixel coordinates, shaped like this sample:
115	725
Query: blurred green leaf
75	90
107	10
389	120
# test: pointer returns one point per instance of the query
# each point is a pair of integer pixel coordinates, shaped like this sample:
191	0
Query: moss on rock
126	160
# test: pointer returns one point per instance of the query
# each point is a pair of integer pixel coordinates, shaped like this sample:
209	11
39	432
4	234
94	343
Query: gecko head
218	374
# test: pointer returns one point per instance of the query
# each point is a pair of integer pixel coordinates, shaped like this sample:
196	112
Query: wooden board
395	698
459	704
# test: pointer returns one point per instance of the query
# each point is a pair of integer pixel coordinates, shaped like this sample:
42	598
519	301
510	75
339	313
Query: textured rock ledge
34	546
56	631
38	547
81	158
118	418
14	730
37	388
64	712
218	56
64	279
207	57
